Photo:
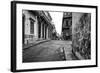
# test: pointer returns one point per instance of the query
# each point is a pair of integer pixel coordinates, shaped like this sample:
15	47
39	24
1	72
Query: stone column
47	33
44	31
41	30
36	29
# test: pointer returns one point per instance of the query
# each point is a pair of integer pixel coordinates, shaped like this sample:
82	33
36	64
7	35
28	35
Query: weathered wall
81	29
75	20
27	27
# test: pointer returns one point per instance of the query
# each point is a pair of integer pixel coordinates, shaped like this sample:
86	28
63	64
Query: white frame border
21	66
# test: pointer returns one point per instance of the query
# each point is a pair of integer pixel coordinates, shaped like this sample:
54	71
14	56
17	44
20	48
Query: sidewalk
34	43
78	55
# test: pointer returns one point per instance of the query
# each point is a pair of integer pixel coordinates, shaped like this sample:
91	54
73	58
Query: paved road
49	51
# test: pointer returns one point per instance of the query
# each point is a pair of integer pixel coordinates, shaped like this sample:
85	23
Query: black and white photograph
53	36
56	36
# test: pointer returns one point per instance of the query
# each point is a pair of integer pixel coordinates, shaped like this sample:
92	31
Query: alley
49	51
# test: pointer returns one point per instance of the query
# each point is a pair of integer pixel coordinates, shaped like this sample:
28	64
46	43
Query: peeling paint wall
81	30
27	29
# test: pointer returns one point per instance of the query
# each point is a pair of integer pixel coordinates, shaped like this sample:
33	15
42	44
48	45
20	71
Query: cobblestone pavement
49	51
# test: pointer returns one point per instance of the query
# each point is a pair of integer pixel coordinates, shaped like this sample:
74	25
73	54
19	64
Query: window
67	22
32	25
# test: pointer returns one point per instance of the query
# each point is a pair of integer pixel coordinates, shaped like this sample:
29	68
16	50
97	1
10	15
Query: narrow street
49	51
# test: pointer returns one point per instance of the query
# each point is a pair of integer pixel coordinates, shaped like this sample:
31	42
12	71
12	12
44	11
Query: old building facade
67	26
37	25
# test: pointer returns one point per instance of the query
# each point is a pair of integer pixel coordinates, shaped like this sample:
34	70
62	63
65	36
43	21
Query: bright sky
57	20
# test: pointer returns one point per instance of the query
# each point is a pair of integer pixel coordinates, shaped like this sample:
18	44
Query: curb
35	44
78	55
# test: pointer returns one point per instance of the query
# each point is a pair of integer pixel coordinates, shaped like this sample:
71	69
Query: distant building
36	26
67	26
